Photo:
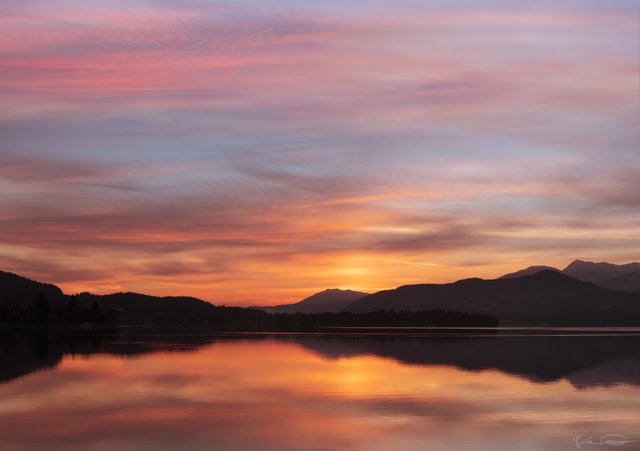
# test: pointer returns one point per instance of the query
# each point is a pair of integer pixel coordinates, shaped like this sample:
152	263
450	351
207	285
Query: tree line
221	318
294	322
42	311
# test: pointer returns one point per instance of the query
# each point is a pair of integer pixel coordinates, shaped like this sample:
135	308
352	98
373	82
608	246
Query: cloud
250	153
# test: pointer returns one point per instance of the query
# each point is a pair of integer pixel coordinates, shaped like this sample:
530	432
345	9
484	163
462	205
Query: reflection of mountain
582	360
621	371
24	353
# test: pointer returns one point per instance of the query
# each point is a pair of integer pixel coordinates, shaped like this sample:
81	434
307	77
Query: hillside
18	297
599	272
29	304
626	282
545	298
530	271
608	275
21	290
138	308
331	301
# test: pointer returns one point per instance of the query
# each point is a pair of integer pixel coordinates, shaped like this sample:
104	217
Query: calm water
512	390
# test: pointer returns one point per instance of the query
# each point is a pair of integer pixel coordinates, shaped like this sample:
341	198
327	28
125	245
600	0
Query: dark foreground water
456	390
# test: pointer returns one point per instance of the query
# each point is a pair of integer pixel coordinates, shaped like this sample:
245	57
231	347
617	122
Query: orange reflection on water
275	395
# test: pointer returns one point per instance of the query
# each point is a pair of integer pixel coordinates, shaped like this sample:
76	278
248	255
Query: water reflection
582	359
22	353
161	391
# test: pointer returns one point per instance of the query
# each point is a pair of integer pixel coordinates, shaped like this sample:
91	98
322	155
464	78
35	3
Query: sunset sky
255	152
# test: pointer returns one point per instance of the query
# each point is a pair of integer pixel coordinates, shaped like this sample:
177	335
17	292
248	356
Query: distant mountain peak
600	271
331	295
328	300
547	297
531	270
468	281
337	290
551	274
583	263
607	275
626	282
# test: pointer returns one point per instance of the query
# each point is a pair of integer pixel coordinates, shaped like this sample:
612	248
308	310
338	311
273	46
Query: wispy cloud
250	153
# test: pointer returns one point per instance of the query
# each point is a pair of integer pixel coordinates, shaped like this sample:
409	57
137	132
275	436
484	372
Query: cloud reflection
243	394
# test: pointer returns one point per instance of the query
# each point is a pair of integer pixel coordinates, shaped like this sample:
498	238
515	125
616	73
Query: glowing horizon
255	153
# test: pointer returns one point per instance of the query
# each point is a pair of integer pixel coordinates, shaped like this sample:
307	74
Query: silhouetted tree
71	310
111	316
96	315
11	313
41	309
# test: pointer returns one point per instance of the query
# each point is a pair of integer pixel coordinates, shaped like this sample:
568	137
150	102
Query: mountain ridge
25	307
595	271
331	300
608	275
531	270
14	285
545	298
542	296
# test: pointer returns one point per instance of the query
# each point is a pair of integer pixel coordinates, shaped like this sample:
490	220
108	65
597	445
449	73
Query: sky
255	152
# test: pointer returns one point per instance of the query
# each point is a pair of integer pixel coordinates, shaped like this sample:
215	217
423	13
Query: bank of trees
131	309
42	311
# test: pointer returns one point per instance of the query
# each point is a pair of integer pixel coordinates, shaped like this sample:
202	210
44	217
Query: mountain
531	270
607	275
21	290
626	282
18	294
24	303
545	298
598	272
138	308
332	300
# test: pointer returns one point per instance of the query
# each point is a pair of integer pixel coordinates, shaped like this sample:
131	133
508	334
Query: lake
511	389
